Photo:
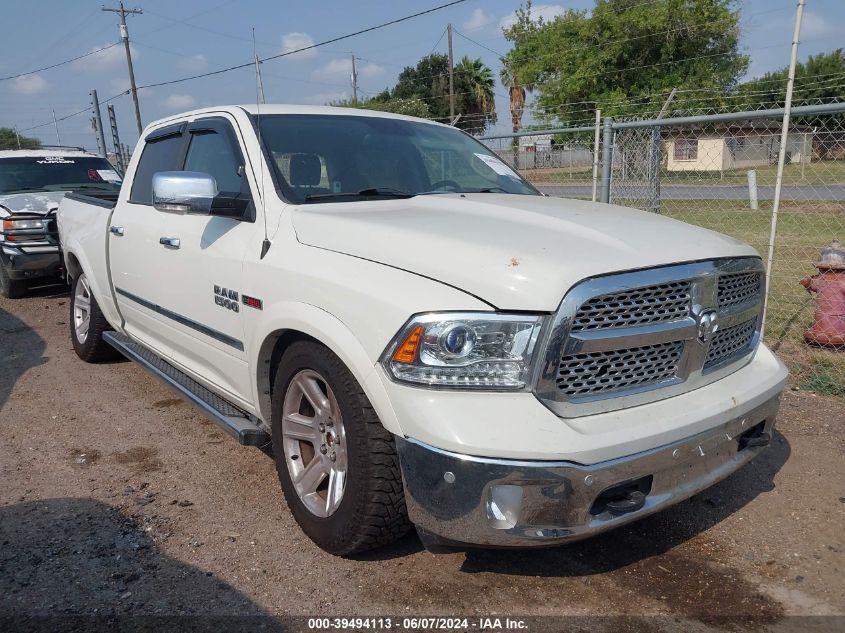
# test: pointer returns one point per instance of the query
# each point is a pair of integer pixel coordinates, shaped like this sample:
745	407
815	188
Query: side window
161	154
212	153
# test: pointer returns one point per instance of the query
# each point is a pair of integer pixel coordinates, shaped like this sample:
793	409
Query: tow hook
631	502
623	498
748	441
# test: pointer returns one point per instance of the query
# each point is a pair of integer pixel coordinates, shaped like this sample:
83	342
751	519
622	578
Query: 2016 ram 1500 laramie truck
423	337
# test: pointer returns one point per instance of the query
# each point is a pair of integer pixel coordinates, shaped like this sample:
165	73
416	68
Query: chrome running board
221	412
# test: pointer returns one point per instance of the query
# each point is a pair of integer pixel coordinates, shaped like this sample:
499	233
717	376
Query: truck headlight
472	350
23	229
11	225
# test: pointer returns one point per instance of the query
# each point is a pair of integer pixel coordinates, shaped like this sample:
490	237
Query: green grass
817	174
803	228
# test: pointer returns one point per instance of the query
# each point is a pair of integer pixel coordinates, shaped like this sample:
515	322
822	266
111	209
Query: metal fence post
654	170
596	146
606	159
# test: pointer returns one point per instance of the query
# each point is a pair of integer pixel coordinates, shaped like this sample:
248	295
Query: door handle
116	230
172	242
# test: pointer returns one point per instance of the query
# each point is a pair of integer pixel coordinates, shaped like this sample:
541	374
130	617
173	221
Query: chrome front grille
738	288
632	338
639	306
730	342
604	372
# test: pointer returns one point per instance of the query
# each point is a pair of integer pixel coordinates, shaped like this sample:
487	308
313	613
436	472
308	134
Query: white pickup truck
422	336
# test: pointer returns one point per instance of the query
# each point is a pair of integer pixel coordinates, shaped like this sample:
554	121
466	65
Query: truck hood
41	203
514	252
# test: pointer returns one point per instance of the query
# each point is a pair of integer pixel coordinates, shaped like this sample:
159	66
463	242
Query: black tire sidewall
94	349
337	532
10	288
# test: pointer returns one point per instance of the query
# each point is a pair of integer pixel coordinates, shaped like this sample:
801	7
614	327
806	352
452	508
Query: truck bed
105	199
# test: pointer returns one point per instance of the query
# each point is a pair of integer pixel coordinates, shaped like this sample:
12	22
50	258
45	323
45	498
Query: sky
174	39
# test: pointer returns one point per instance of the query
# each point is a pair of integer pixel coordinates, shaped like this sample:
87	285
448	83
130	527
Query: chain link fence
719	172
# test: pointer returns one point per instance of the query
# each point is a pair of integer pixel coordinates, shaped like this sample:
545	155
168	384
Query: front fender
328	330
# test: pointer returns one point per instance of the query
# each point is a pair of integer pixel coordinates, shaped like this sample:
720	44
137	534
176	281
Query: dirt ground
118	498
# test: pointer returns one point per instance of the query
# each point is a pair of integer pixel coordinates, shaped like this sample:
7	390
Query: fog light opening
503	506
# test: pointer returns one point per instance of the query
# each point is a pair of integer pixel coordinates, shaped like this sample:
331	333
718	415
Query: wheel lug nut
323	449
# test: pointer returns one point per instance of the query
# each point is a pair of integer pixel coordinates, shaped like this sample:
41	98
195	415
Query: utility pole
354	82
784	138
115	138
124	35
56	123
451	79
17	136
98	124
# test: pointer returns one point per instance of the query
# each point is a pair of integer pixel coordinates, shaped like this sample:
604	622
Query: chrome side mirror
183	192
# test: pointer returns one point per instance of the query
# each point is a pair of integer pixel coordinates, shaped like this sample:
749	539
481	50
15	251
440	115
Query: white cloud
545	11
296	40
119	84
477	20
341	69
29	84
194	62
179	102
813	25
106	59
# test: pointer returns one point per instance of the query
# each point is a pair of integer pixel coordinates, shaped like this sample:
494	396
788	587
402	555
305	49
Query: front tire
87	324
11	288
337	464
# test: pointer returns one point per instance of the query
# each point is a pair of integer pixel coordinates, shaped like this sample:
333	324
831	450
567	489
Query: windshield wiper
24	190
373	192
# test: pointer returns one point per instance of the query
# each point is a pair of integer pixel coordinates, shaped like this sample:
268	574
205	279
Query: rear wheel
87	324
11	288
337	464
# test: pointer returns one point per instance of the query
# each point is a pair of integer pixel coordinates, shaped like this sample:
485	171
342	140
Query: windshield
321	158
56	173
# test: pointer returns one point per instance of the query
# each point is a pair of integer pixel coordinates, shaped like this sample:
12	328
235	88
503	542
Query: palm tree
516	91
475	93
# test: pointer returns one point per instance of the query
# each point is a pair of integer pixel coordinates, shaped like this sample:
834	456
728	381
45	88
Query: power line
87	108
67	61
304	48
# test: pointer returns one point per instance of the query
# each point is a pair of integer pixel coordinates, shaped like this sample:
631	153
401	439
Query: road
834	192
119	498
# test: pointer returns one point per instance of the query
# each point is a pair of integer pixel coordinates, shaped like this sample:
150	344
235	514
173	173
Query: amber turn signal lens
407	351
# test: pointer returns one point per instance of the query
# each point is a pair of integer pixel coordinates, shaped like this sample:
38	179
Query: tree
818	80
626	56
475	101
383	102
428	82
517	90
9	140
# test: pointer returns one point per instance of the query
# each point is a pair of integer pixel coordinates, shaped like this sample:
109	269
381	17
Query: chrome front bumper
457	499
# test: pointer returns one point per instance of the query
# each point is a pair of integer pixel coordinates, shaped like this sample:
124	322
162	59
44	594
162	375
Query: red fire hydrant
829	283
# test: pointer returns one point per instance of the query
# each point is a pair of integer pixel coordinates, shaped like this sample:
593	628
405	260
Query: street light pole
124	35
